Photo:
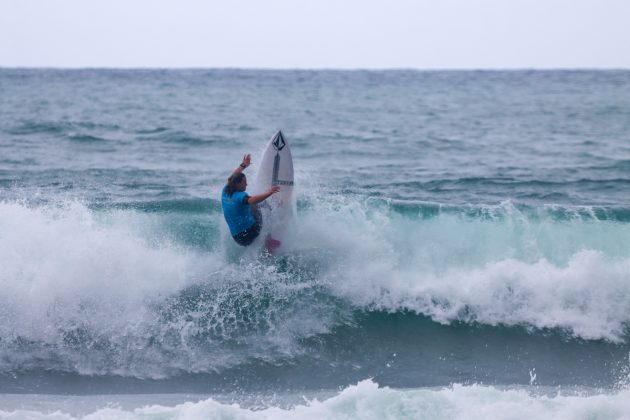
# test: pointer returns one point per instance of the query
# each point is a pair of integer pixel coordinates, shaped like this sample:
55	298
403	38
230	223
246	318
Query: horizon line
337	69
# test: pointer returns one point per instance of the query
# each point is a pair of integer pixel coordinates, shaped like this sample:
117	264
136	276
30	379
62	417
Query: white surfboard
276	168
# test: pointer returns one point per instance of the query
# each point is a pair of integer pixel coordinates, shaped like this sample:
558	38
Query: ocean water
461	245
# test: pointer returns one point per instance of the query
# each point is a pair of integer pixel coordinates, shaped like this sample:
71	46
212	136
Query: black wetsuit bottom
248	236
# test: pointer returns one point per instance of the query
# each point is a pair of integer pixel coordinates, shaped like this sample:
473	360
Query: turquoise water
451	228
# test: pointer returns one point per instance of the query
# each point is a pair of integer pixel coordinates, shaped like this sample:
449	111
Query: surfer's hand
247	160
274	189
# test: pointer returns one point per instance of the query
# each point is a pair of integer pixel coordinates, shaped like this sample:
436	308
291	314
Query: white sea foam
367	400
64	276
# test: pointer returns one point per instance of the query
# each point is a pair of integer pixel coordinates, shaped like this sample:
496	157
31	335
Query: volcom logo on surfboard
279	142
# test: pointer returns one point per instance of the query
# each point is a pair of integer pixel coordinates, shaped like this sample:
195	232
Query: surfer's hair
232	183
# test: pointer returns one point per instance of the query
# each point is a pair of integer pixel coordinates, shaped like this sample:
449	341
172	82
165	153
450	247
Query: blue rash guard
237	211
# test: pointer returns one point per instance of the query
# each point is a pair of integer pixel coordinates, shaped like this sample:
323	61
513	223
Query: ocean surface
460	249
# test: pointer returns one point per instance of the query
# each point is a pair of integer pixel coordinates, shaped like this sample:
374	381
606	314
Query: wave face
435	242
135	292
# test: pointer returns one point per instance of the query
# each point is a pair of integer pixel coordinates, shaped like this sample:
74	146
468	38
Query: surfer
239	209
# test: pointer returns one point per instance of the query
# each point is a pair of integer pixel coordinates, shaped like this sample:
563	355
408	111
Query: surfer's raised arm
254	199
247	160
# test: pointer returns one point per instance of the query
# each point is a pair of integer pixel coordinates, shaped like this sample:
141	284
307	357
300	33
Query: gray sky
438	34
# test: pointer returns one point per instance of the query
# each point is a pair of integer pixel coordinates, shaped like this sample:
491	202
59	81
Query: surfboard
275	168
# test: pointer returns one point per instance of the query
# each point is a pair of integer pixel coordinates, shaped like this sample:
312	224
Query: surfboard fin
272	244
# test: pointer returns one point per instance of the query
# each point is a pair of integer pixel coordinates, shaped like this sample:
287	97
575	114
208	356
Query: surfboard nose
278	141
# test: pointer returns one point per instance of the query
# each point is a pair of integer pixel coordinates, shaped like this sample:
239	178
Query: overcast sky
437	34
